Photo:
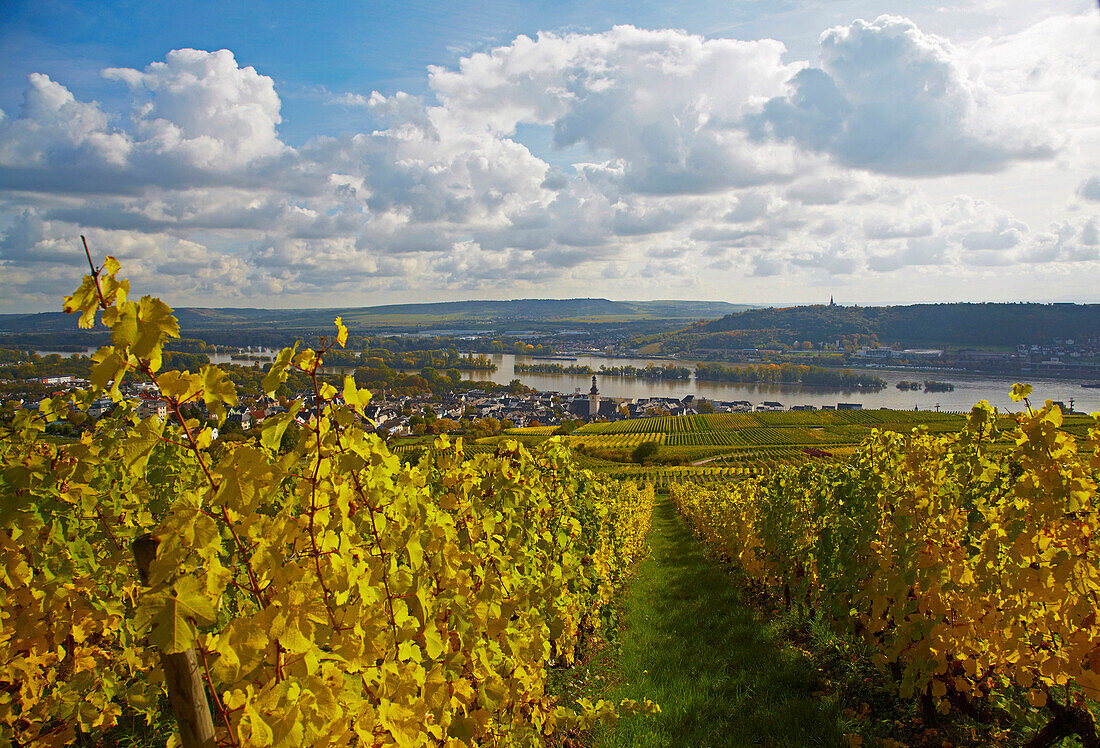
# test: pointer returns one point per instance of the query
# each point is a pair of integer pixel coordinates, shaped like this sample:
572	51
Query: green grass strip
721	676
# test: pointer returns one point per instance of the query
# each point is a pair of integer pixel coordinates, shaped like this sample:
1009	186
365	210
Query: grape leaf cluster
970	561
332	595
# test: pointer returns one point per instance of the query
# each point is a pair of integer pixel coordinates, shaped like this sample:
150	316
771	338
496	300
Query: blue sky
356	153
312	47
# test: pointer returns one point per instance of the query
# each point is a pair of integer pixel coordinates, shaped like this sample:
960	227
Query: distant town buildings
906	353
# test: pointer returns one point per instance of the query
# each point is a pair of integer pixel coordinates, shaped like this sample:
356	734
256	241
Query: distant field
513	314
368	319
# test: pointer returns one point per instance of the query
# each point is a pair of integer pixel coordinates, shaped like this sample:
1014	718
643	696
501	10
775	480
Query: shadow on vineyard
721	677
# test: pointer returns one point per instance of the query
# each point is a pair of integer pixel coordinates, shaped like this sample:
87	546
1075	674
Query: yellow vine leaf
173	627
338	594
341	331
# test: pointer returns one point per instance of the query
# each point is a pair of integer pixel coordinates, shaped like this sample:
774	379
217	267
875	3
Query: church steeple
831	302
593	400
594	390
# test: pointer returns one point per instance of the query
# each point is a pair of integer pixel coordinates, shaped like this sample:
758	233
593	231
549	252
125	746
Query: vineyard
750	443
337	591
616	441
773	419
535	430
316	594
962	549
969	562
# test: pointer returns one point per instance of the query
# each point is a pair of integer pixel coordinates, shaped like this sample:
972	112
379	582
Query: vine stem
183	424
377	543
145	369
217	699
313	498
242	549
362	495
107	528
95	273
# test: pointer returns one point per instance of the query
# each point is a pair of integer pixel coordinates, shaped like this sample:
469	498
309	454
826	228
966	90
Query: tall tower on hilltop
831	302
593	399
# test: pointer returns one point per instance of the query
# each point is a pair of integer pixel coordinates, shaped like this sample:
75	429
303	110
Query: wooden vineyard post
181	671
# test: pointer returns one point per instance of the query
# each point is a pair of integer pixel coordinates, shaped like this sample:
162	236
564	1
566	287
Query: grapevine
974	572
331	594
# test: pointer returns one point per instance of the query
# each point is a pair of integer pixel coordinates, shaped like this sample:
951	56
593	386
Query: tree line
917	324
789	374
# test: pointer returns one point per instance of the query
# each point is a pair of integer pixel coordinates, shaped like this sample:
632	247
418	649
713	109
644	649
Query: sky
342	154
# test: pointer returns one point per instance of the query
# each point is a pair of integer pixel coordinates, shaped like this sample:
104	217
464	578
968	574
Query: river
969	388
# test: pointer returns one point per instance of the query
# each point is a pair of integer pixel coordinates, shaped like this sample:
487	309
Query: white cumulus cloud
890	98
649	159
205	108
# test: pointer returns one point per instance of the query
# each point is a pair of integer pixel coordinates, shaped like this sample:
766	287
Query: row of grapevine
668	475
752	435
330	594
652	425
535	430
765	457
904	418
842	421
704	439
692	423
726	421
974	573
761	436
413	452
527	440
615	441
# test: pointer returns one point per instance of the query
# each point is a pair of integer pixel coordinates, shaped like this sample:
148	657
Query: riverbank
969	387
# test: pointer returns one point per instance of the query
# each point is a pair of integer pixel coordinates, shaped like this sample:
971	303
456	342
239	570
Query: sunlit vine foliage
973	572
333	595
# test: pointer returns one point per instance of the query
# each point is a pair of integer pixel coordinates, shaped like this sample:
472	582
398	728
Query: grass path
695	648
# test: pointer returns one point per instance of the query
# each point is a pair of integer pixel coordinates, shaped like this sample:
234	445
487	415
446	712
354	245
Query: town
407	415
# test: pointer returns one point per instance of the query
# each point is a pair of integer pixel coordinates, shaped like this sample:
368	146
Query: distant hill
440	315
918	324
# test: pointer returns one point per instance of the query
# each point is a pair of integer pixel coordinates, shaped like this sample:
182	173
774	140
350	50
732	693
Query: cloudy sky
356	153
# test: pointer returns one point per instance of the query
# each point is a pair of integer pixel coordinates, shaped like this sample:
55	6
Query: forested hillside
919	324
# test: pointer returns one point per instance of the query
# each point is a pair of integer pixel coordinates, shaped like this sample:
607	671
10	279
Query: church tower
593	400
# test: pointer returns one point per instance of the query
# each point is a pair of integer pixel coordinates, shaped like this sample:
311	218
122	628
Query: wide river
969	388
